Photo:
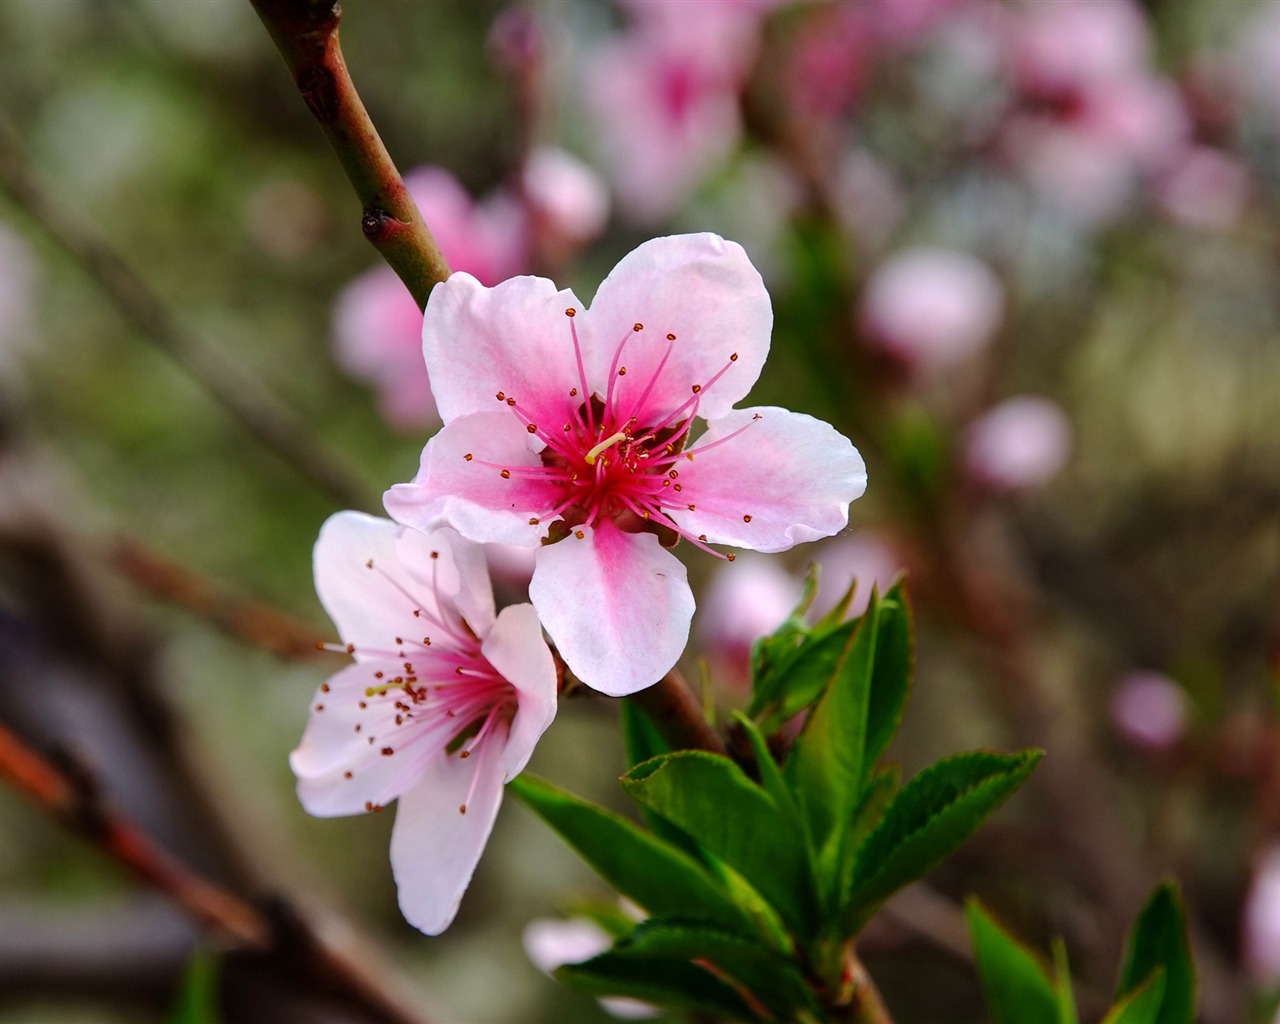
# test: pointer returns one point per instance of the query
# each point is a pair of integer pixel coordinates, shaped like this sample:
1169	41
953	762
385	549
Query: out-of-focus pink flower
552	942
587	445
1095	118
1261	938
1149	711
377	337
1069	46
1018	445
566	198
665	95
907	23
863	556
443	705
828	63
745	601
17	283
1084	178
932	308
487	239
1208	188
377	326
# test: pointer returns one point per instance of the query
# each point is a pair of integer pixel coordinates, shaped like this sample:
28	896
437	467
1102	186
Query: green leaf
770	774
803	676
771	979
664	981
928	818
642	741
826	766
770	654
1062	982
712	800
197	998
1142	1005
1159	940
892	675
640	737
1015	981
653	873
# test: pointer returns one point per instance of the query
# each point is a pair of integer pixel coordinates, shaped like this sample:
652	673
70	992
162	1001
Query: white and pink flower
443	705
570	430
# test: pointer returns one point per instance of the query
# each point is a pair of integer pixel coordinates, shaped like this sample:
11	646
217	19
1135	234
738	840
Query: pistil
591	456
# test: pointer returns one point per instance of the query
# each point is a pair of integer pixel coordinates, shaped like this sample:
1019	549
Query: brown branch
72	802
306	34
253	622
865	1005
70	797
240	393
671	706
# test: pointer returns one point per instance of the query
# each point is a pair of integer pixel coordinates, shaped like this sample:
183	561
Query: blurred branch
72	800
306	34
70	796
671	706
240	393
253	622
1072	778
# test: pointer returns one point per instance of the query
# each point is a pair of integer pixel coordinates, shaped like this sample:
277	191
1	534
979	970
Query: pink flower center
603	463
432	696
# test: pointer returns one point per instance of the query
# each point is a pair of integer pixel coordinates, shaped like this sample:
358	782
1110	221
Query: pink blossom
1097	120
1072	45
665	96
567	200
907	23
573	425
1019	444
551	942
443	704
377	325
1149	710
932	308
828	65
861	556
1262	919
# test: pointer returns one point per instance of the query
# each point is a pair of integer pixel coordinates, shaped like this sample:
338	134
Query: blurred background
1024	254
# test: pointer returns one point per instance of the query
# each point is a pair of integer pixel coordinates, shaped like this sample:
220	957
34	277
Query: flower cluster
596	438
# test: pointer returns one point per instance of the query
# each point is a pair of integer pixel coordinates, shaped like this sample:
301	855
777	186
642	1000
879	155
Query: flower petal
442	562
699	288
512	338
434	846
371	592
342	737
617	605
785	479
516	649
471	495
